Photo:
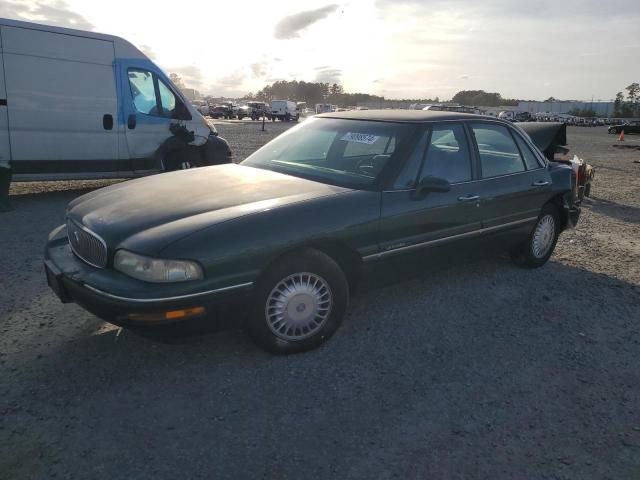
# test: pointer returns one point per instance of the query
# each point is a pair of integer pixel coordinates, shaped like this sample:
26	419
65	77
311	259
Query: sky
533	49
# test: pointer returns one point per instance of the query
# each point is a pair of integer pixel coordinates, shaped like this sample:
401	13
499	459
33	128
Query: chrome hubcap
298	306
543	236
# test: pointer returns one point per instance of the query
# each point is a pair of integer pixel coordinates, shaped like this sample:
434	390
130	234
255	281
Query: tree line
629	107
319	92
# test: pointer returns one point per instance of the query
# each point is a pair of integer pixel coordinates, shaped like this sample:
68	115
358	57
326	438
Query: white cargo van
284	110
78	105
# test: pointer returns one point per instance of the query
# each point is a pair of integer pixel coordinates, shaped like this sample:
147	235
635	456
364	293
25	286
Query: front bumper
127	302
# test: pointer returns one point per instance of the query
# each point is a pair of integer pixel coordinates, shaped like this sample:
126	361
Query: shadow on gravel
620	211
478	370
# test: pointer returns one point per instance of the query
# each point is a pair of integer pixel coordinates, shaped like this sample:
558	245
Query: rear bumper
74	281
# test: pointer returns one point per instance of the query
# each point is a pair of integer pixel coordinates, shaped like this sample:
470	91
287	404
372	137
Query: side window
409	174
143	91
529	158
167	100
448	154
498	152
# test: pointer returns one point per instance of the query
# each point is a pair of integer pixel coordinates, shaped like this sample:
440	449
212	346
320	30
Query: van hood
145	215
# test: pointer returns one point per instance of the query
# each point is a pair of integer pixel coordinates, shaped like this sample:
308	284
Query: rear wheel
542	240
300	302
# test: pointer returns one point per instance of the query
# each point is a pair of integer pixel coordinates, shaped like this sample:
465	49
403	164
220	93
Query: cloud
328	75
148	51
52	13
259	69
549	9
191	75
292	25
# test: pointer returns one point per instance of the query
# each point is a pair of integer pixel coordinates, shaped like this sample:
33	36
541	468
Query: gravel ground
477	370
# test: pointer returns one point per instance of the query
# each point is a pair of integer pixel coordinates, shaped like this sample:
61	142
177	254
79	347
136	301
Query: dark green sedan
626	127
284	236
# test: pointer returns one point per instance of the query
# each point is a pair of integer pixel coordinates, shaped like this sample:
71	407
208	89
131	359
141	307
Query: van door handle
107	121
131	122
540	183
468	198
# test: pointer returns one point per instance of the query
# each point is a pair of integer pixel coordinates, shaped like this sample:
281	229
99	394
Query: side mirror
432	184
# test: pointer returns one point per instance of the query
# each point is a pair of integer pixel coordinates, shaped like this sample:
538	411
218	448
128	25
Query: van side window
167	100
143	91
151	96
498	152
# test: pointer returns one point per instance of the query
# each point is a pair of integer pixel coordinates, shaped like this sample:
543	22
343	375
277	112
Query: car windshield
347	153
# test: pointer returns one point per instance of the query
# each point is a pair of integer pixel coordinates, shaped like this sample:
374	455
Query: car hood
146	214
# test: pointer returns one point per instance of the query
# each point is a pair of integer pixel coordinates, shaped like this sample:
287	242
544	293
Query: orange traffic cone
621	137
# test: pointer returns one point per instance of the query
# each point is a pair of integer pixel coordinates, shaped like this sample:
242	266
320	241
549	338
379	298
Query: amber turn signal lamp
170	315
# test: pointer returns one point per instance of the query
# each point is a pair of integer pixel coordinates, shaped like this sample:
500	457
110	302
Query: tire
539	247
282	334
5	183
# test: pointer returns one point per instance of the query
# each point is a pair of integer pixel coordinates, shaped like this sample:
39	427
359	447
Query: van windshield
347	153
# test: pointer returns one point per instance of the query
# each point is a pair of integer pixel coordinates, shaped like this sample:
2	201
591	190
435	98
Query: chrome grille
87	245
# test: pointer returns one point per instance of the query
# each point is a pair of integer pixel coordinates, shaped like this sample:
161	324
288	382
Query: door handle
131	122
540	183
107	121
468	198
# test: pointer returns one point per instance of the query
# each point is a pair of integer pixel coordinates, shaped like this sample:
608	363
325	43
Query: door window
409	174
499	154
448	154
167	100
143	91
530	159
151	96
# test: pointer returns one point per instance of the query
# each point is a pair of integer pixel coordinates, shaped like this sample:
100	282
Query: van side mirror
431	184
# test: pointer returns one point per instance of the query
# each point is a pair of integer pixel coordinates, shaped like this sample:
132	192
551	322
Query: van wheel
5	183
541	242
299	303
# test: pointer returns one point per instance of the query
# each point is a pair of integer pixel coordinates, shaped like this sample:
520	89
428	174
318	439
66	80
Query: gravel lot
475	370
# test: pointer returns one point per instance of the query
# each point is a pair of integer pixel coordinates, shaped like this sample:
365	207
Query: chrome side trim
166	299
438	241
510	224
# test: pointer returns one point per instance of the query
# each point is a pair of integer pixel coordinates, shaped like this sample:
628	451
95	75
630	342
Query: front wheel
541	242
299	303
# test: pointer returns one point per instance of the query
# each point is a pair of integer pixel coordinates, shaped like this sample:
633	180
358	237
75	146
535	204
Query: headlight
156	270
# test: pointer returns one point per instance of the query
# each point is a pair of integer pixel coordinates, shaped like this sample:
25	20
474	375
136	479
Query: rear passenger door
515	184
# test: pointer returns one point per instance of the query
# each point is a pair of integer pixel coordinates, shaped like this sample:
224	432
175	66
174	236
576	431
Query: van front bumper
146	305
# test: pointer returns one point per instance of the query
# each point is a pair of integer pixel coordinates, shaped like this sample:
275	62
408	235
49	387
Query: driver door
151	109
411	222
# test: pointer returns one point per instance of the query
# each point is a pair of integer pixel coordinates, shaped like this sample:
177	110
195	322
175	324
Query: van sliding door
62	103
5	148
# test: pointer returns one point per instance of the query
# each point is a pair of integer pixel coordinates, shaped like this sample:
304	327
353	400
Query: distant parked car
221	111
284	110
254	110
628	127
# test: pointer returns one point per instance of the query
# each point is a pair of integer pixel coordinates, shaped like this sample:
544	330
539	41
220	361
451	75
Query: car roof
415	116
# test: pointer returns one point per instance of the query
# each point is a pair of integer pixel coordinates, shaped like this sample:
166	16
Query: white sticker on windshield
360	138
